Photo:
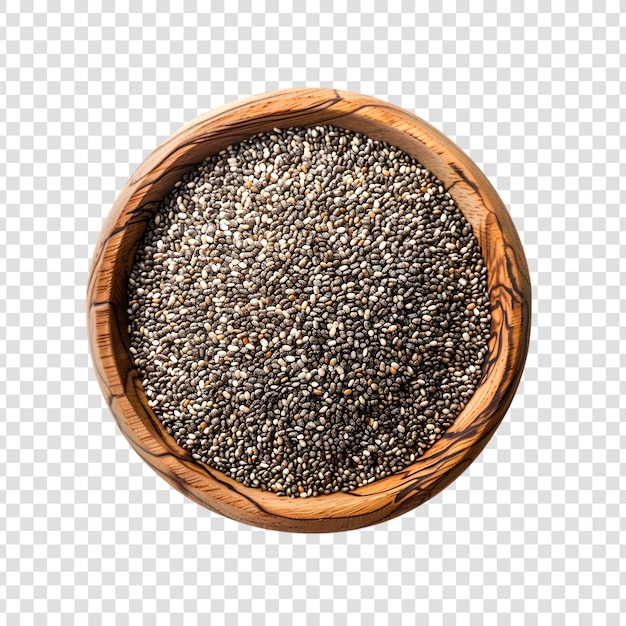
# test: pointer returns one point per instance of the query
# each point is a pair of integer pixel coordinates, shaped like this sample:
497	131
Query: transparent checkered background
533	533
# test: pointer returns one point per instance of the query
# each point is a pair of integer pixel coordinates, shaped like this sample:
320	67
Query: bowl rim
509	290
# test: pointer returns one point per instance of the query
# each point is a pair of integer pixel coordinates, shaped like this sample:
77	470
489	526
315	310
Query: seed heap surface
308	311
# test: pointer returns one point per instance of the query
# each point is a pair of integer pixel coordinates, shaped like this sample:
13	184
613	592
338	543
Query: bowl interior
508	284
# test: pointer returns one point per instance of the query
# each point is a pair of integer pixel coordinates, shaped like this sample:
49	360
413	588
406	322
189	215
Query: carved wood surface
508	283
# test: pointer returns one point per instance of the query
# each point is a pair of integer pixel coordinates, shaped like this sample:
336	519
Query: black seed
303	325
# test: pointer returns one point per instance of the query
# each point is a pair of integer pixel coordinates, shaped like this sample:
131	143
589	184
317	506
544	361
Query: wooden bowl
508	282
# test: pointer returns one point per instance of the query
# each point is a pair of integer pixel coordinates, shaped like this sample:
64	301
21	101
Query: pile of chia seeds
308	311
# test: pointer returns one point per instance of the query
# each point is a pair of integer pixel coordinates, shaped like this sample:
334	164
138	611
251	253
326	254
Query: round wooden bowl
508	281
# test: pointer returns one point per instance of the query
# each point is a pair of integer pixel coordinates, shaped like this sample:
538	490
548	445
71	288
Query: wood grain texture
508	282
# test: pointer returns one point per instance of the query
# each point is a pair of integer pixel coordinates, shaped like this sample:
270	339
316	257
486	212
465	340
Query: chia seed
308	311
